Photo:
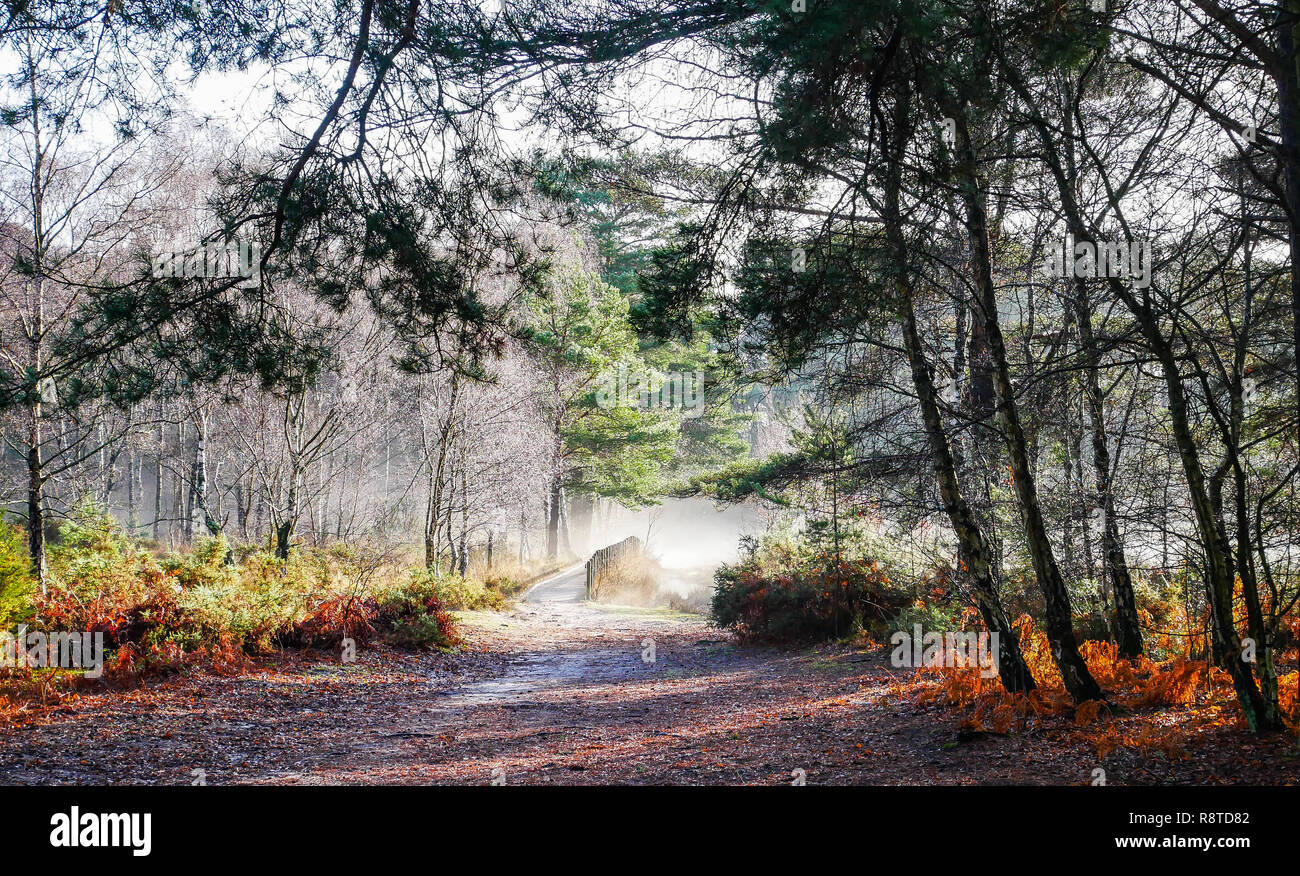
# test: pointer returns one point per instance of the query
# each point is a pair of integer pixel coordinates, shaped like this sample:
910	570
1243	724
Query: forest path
561	691
556	690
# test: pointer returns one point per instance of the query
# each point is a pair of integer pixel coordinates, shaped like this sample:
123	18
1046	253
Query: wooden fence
602	559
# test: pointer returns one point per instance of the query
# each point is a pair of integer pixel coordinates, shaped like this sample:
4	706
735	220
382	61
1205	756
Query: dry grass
632	579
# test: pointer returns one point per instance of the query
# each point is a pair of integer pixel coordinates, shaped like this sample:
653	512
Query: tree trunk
184	488
1271	715
463	565
201	522
553	521
36	336
1288	88
449	534
1059	615
35	497
972	549
1220	577
432	523
284	530
155	530
1128	630
132	493
283	533
110	470
242	502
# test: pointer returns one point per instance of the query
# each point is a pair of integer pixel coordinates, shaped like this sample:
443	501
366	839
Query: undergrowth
219	609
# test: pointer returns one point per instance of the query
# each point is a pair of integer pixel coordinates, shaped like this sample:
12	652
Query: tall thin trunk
156	529
36	337
972	548
464	519
202	522
1288	86
566	539
184	489
553	520
35	497
449	534
1059	615
1128	630
260	514
241	510
132	492
438	477
108	461
431	524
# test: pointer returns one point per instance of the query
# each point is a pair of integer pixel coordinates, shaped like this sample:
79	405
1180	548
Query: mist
688	538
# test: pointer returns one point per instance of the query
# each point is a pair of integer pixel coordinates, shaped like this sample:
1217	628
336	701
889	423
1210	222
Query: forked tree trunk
972	548
1059	614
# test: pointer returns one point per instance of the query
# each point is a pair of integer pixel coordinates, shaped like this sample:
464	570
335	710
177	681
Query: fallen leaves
562	697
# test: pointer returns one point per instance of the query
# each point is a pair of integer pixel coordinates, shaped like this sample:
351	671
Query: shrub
506	584
458	593
824	598
411	615
16	585
254	605
213	607
98	579
422	629
932	616
333	619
